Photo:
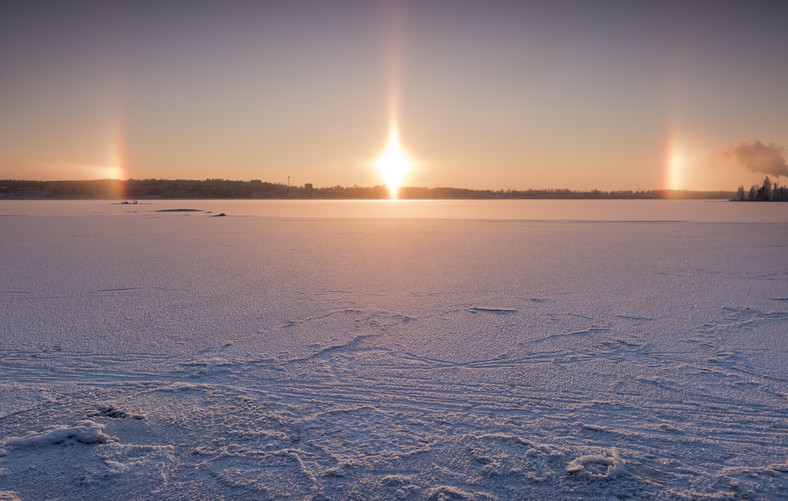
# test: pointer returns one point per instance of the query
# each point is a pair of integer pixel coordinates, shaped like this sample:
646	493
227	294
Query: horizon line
377	186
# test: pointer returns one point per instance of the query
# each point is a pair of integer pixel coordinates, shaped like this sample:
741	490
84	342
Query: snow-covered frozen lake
393	350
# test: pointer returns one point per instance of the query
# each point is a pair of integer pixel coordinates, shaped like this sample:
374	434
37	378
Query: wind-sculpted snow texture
150	355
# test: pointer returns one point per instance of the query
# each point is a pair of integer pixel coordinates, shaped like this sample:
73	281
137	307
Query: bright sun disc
393	164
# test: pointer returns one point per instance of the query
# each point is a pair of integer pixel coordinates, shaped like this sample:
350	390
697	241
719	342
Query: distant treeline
767	192
134	189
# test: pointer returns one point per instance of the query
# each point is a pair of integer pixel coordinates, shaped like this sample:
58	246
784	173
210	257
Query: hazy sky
485	94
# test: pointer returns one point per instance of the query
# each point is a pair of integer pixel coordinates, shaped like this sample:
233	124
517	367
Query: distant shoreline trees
767	192
142	189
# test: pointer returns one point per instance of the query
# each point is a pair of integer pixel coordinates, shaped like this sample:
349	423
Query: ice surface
634	353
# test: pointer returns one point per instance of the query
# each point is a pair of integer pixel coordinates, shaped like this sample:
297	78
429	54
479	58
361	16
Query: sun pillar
393	164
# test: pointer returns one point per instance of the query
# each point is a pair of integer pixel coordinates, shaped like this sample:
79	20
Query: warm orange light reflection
393	164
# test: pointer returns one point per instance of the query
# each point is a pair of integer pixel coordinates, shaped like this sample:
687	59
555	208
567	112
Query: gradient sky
485	94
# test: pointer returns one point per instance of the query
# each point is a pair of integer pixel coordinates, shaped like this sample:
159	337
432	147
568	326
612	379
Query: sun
393	164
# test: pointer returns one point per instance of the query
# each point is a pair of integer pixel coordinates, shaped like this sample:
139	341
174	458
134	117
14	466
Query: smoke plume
758	157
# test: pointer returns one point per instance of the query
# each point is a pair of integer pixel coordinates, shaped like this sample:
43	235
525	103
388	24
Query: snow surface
400	350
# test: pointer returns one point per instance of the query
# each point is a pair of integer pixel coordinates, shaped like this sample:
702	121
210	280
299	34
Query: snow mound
598	466
446	492
84	432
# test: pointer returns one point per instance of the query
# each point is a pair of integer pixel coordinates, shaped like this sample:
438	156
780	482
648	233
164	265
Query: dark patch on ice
591	427
492	309
120	289
179	210
779	298
540	300
634	317
221	214
767	276
642	221
112	412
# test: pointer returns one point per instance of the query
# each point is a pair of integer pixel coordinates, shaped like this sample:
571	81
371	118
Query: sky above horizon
486	95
